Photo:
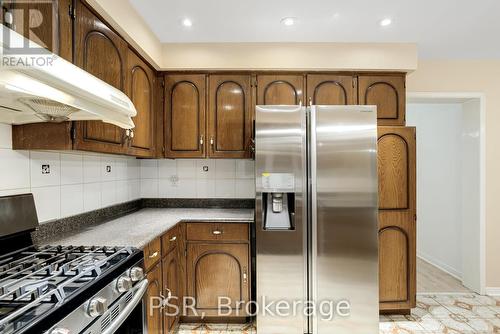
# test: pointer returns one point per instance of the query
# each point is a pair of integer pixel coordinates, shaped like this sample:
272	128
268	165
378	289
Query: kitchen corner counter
139	228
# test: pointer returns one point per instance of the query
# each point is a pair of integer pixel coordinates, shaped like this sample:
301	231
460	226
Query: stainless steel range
65	290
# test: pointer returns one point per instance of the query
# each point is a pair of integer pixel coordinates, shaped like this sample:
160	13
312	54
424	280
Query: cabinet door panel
154	316
229	117
388	93
326	89
141	92
171	286
280	89
218	270
397	225
101	52
185	116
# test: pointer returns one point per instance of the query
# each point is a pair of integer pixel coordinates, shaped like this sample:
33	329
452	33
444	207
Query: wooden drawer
169	240
217	232
152	253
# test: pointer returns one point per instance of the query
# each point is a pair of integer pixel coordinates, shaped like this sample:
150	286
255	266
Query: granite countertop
139	228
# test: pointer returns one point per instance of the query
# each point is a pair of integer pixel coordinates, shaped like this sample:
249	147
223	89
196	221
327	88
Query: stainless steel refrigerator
316	219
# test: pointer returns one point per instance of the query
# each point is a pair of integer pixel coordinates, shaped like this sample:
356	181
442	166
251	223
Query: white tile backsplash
149	188
47	202
149	169
45	169
71	199
77	182
71	169
14	169
225	169
200	178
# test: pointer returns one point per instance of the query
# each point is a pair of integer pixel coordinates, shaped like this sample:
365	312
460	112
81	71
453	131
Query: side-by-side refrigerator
316	219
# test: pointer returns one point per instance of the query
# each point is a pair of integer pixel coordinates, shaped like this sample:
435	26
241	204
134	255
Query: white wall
439	183
186	178
77	182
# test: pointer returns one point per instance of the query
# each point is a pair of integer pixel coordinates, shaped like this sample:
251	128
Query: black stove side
18	219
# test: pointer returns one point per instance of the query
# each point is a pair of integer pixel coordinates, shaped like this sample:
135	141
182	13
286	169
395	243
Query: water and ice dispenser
278	201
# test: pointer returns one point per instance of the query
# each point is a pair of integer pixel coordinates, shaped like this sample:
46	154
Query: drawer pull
155	254
217	232
245	276
173	239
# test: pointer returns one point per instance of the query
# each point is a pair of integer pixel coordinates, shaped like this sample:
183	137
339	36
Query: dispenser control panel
284	182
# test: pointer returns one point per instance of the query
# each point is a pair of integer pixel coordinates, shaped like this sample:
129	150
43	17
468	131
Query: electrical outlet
205	168
45	169
174	179
108	169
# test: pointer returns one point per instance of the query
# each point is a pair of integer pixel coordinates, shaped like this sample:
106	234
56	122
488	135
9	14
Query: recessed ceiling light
288	21
187	23
385	22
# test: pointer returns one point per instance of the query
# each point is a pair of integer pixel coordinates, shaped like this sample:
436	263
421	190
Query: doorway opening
450	191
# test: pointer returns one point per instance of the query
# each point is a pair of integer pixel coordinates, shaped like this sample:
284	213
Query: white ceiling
441	28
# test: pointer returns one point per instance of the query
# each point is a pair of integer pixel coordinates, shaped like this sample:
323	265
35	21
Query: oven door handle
129	308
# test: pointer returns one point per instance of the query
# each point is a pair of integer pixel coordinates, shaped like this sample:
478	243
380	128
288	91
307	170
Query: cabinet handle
173	238
155	254
310	101
169	293
245	276
217	232
201	140
212	142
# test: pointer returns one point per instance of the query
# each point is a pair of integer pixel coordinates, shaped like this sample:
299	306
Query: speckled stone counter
139	228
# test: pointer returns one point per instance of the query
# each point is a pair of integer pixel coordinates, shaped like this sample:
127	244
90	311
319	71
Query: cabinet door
388	93
280	89
101	52
326	89
141	91
218	270
185	116
171	288
229	116
397	225
154	316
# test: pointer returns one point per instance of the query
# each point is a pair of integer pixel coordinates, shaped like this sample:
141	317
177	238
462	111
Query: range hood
43	87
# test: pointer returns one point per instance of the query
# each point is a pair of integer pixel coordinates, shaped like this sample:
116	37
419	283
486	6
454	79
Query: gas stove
66	289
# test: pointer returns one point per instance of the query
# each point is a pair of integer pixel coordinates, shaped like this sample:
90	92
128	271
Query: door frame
462	97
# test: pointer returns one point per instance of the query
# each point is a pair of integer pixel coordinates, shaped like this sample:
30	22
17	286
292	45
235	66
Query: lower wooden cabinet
218	271
170	266
154	316
397	218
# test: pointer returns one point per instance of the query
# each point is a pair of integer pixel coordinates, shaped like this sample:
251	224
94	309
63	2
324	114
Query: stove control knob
123	284
60	331
136	274
97	307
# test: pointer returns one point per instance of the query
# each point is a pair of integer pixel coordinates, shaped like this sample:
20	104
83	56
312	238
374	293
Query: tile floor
438	313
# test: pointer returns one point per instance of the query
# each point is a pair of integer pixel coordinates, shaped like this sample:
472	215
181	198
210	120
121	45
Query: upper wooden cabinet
185	116
101	52
229	116
286	89
140	89
388	93
331	89
397	219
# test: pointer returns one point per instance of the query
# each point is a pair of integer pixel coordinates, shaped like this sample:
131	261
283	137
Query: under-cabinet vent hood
43	87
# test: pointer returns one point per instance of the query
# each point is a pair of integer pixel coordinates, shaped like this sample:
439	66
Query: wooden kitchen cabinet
397	218
103	53
218	267
218	270
141	91
229	116
331	89
185	116
154	316
170	266
388	93
274	89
